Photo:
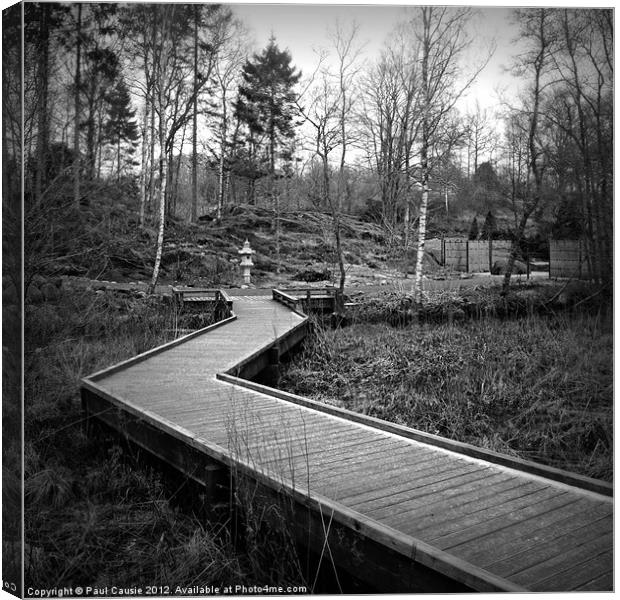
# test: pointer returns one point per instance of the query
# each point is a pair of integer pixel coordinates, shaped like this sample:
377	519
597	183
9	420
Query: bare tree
536	28
76	133
230	59
330	113
479	136
582	109
162	52
442	39
388	108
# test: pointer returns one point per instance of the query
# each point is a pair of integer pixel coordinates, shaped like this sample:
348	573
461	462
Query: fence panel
434	246
478	256
567	258
501	249
455	252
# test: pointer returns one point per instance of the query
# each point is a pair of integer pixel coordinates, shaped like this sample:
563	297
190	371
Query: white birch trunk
417	286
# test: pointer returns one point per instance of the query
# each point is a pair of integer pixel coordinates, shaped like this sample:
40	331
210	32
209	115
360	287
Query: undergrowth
540	387
95	513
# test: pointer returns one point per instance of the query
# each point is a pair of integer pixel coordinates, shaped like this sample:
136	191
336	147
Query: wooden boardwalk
486	521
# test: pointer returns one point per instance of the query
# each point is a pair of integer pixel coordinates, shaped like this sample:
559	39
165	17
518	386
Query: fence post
466	256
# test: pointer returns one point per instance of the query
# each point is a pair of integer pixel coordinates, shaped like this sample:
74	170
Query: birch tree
442	42
161	54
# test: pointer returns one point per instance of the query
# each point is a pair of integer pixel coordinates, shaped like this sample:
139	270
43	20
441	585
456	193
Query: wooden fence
568	258
473	256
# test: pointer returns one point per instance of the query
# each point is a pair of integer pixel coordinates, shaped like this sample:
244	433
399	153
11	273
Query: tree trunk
42	109
76	135
223	133
194	210
534	167
152	140
160	84
163	178
143	160
118	159
424	149
417	287
90	136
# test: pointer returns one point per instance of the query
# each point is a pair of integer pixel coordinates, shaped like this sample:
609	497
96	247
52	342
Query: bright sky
303	28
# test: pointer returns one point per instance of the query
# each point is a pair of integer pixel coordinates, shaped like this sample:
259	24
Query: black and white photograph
307	299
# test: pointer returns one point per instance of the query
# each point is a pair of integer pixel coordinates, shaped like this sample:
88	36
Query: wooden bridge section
417	511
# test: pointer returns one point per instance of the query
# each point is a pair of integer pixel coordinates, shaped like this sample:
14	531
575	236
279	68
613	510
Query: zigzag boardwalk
417	511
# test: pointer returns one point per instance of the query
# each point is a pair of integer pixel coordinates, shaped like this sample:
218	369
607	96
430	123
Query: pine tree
267	105
489	227
121	126
473	230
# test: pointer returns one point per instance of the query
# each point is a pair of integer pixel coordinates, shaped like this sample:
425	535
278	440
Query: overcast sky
302	28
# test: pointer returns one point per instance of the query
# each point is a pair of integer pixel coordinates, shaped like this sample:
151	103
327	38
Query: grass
540	387
95	512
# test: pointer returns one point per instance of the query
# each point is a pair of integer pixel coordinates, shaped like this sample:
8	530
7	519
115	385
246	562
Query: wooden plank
325	454
381	483
496	532
530	540
472	498
270	450
394	508
556	547
164	347
328	466
601	583
427	485
419	475
578	481
594	564
449	516
399	460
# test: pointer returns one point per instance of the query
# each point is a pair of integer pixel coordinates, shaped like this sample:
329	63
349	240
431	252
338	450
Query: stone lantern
246	261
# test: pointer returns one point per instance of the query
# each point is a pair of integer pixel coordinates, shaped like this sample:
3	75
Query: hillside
103	241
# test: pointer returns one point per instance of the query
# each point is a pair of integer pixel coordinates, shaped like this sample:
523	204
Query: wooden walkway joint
421	512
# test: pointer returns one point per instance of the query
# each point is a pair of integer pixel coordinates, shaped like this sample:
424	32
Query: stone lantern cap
246	250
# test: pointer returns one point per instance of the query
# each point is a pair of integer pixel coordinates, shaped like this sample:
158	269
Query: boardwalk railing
198	298
305	300
190	294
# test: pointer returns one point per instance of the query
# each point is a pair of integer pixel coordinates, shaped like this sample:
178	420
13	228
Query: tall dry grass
540	387
94	515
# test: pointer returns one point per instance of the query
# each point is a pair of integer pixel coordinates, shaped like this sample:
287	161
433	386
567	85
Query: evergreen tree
473	230
489	227
267	106
103	69
121	126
